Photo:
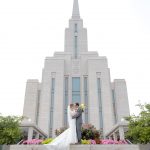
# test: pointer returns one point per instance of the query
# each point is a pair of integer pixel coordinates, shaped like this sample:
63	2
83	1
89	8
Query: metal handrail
20	142
128	141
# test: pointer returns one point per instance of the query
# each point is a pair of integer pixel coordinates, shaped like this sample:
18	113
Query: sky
33	29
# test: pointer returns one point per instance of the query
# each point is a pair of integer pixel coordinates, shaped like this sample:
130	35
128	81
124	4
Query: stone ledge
104	147
84	147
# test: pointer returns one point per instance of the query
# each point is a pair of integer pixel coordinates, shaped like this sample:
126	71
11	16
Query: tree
10	133
139	126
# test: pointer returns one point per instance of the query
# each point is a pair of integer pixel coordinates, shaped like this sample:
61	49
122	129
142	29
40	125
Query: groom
78	117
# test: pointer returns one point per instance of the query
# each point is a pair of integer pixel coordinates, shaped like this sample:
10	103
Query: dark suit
78	117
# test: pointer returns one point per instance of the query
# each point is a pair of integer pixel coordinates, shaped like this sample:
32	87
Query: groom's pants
79	132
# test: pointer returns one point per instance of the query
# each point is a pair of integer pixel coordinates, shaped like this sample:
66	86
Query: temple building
75	75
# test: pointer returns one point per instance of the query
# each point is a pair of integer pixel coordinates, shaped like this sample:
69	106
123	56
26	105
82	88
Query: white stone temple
75	75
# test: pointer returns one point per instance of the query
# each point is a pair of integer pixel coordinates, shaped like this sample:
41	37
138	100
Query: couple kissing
73	134
78	116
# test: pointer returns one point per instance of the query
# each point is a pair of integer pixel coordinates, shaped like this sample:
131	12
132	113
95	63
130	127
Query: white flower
82	106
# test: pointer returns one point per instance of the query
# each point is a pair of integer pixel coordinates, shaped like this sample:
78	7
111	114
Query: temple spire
75	12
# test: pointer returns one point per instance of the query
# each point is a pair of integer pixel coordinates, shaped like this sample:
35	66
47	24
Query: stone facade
76	75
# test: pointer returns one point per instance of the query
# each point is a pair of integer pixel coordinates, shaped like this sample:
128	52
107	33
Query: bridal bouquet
82	106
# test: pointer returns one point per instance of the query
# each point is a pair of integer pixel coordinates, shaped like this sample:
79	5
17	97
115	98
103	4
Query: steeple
76	35
75	12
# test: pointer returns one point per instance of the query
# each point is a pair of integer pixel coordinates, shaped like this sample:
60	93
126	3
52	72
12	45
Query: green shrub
47	141
10	133
85	142
139	126
89	132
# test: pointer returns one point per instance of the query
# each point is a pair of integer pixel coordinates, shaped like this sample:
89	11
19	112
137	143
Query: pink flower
33	141
92	141
107	141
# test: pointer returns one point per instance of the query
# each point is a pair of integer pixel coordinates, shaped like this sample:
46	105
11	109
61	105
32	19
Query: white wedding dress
69	136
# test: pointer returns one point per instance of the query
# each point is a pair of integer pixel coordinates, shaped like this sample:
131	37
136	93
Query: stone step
110	147
83	147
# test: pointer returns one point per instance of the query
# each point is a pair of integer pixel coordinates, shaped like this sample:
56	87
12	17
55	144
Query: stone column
121	133
30	133
37	135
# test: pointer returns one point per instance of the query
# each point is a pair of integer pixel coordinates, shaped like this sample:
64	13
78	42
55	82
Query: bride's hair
71	105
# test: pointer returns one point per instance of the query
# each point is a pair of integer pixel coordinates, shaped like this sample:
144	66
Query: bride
69	136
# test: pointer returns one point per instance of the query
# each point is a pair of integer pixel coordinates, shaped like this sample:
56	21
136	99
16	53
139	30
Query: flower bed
90	132
83	141
113	142
47	141
103	142
37	141
33	142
